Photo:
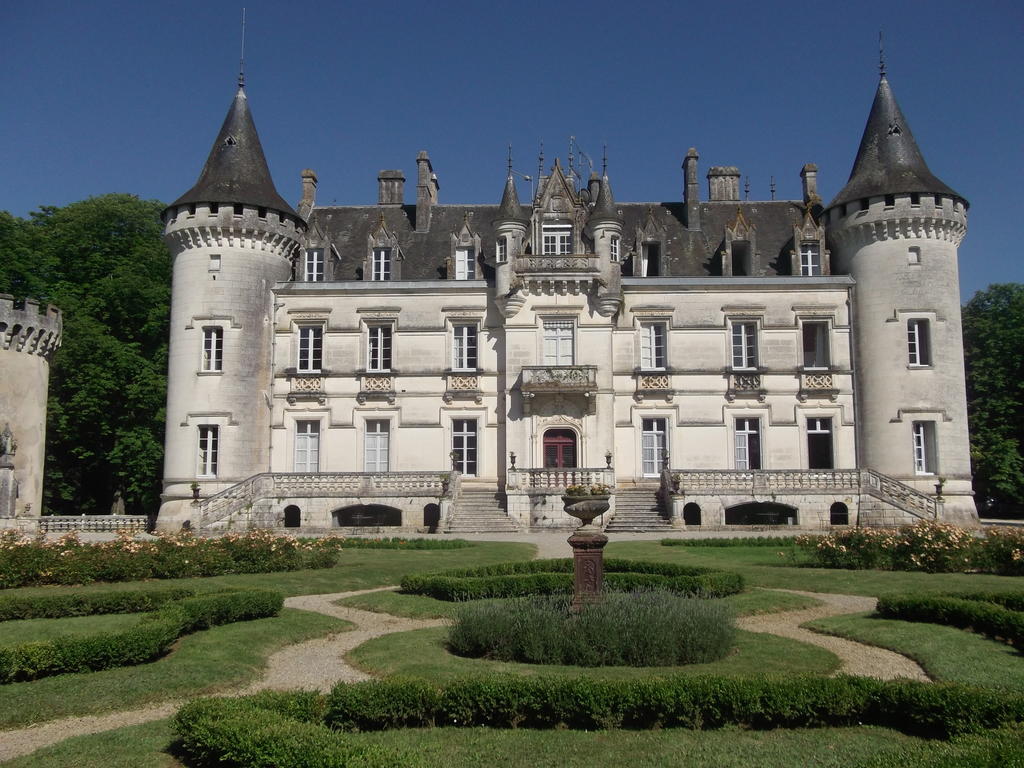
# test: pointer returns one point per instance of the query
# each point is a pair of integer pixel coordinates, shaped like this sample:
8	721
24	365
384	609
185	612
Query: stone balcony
463	384
556	263
376	385
818	383
543	380
306	386
657	384
745	383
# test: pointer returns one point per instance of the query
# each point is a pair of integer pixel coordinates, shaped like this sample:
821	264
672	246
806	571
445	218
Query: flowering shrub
597	489
928	546
28	561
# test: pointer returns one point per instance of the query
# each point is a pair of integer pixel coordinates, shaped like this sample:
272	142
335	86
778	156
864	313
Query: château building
719	361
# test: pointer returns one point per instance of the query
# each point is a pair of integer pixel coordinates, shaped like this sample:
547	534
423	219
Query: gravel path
855	658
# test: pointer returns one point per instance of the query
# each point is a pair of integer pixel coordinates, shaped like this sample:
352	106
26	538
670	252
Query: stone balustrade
553	263
558	478
92	523
559	378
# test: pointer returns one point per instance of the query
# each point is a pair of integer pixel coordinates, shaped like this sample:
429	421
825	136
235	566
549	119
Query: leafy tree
103	263
994	352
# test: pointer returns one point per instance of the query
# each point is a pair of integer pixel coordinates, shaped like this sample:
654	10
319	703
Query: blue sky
109	96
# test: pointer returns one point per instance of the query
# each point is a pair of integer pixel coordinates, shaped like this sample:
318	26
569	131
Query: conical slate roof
604	207
888	161
510	209
236	170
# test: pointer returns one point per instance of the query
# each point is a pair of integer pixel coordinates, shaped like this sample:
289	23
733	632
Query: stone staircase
637	511
479	510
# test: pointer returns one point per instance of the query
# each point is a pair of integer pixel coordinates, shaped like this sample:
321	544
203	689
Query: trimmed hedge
927	709
742	541
150	638
272	732
63	605
550	577
986	618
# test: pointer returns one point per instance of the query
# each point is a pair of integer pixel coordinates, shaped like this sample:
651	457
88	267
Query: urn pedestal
587	544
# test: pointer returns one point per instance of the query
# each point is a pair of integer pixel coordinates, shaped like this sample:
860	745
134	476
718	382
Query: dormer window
650	259
313	265
810	259
381	267
742	261
465	264
557	239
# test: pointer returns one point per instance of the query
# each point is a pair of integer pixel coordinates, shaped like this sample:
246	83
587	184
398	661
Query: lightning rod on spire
241	58
881	55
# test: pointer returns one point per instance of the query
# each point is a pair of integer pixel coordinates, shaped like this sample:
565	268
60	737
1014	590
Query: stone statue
8	445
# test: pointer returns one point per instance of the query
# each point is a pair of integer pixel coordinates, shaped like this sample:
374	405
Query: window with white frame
613	248
464	337
378	348
925	458
311	343
815	344
650	259
209	438
465	264
919	346
307	446
380	269
748	443
313	265
213	349
652	346
744	344
502	250
558	342
377	445
819	443
652	445
556	239
464	446
810	258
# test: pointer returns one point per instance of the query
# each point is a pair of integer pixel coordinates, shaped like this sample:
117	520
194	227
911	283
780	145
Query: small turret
511	226
605	227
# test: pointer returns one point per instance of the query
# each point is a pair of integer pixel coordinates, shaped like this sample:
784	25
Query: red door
559	449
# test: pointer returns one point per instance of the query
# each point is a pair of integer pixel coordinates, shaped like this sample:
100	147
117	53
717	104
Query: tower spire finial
604	160
881	56
241	58
509	159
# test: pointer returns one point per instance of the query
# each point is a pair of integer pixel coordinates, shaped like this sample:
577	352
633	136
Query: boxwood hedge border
150	638
994	614
76	603
554	576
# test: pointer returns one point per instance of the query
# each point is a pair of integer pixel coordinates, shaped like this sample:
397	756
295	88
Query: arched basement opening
367	516
292	516
691	514
761	513
839	514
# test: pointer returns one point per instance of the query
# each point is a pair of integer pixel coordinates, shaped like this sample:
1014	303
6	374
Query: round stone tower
231	238
511	230
28	339
895	227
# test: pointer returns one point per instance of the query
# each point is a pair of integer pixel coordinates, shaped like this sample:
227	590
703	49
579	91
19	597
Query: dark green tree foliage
103	263
994	352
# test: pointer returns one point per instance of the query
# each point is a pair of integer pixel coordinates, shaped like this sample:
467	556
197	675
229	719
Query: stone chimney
724	183
809	177
426	191
691	190
309	182
390	188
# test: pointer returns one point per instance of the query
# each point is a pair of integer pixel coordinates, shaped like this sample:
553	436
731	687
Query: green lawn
945	653
38	630
211	661
422	653
765	567
144	746
421	607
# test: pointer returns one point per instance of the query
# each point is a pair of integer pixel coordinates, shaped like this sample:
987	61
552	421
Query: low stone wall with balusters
534	496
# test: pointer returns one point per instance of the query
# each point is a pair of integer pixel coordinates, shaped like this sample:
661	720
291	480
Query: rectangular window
378	356
381	268
464	446
819	443
311	341
377	446
653	445
557	239
919	346
208	449
748	443
465	264
652	346
925	459
744	345
650	264
214	262
213	349
613	249
810	259
313	265
307	446
815	342
502	254
464	347
558	342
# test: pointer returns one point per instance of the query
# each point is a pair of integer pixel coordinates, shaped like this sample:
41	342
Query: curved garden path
320	664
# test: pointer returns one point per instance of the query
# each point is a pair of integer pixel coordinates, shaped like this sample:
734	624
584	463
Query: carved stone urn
587	544
586	508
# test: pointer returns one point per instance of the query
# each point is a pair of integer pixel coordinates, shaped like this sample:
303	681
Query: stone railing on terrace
92	523
319	485
558	478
